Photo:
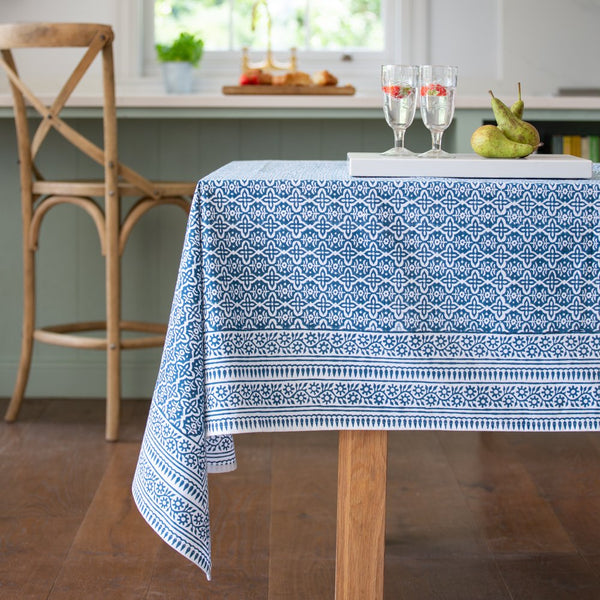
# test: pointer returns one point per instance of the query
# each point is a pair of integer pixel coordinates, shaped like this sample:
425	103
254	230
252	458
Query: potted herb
178	59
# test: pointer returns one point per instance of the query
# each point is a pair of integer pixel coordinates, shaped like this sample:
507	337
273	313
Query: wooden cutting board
290	90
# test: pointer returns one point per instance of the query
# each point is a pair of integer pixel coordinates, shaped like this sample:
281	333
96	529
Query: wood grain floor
470	516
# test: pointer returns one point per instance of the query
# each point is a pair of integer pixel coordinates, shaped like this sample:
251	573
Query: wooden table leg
362	471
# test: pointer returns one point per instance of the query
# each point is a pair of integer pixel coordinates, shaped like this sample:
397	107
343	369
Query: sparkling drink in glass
437	88
399	87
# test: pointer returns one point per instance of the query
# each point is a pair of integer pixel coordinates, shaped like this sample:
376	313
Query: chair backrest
97	39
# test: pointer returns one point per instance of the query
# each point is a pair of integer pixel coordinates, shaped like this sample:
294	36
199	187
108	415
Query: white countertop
154	99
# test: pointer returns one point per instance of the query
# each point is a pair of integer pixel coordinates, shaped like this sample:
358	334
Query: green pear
490	142
514	128
518	106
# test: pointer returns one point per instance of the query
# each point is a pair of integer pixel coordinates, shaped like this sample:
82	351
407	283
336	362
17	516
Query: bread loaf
324	78
297	78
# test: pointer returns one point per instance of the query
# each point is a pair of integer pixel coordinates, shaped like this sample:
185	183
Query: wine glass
399	87
437	87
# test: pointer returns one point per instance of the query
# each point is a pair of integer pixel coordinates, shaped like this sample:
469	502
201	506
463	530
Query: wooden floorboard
303	509
494	516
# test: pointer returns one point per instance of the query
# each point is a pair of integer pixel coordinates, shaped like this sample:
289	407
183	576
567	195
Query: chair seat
98	187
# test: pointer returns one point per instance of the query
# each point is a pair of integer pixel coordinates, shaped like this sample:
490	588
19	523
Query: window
234	24
348	37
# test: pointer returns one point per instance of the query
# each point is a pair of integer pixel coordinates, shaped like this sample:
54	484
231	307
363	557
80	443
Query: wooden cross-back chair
100	199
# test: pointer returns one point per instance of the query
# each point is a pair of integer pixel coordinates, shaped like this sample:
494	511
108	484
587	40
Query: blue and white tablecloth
307	299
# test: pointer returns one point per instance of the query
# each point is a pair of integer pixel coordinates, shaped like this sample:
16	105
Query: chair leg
113	349
113	320
113	389
12	412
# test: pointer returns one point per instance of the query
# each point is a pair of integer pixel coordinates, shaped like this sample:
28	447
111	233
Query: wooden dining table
308	299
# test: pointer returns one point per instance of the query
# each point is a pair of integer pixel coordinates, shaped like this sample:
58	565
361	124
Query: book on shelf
556	146
585	146
595	148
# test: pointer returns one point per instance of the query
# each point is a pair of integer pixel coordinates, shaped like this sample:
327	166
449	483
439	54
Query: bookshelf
579	138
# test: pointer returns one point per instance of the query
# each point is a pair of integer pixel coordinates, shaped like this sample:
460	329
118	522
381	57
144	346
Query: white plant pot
178	77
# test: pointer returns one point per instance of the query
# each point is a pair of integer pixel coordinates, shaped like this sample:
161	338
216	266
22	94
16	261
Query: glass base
436	154
398	152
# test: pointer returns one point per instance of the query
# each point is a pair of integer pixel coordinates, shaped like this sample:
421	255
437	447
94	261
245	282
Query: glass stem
436	140
399	139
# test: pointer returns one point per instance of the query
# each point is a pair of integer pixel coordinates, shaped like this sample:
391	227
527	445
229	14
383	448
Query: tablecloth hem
193	555
221	468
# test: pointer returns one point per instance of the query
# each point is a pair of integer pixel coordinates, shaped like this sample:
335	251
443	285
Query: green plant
186	48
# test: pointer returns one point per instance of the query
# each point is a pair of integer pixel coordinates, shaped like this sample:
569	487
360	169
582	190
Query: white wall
545	44
113	12
560	50
83	11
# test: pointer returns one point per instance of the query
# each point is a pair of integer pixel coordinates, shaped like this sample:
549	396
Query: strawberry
248	79
396	91
433	89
